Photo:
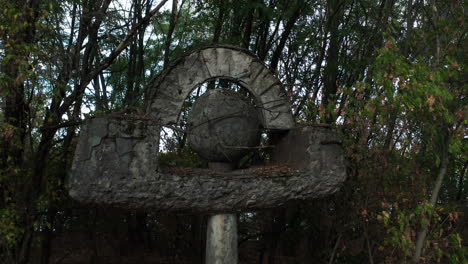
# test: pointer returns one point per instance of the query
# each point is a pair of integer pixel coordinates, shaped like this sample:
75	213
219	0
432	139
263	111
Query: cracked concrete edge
156	80
170	88
132	179
130	145
202	194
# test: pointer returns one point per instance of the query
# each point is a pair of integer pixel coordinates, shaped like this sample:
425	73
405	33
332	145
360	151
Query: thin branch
335	248
62	125
105	63
124	44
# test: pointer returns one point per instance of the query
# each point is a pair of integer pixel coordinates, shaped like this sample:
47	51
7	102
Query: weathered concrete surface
223	125
112	152
221	239
221	231
314	149
116	164
171	87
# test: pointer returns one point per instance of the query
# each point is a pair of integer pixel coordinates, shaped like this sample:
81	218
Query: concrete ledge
116	164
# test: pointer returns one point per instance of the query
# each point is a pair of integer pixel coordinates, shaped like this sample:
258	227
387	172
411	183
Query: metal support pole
221	234
221	241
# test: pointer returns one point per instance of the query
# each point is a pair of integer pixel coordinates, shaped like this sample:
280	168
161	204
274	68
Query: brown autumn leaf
430	102
455	65
388	44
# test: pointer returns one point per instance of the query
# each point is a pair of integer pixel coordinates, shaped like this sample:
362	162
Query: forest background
389	73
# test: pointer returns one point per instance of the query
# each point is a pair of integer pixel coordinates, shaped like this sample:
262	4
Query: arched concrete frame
174	85
116	159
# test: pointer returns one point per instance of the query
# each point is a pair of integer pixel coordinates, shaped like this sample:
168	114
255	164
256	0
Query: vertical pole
221	233
221	241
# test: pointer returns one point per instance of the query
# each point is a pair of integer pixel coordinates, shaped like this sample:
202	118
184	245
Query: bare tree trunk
217	34
135	71
392	118
219	22
421	239
170	32
264	28
285	35
248	28
315	79
334	10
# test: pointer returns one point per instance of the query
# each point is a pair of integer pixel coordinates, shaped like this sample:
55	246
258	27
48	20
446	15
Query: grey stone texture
317	152
221	239
116	159
170	88
223	125
116	164
112	151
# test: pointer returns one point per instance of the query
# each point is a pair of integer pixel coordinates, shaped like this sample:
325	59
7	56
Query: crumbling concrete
170	88
116	164
116	160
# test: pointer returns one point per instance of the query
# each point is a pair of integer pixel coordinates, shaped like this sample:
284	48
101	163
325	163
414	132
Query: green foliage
10	230
186	158
444	244
400	100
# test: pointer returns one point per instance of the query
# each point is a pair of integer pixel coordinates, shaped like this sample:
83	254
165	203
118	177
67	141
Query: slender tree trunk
219	22
217	34
460	182
409	26
285	35
264	28
172	24
334	10
421	239
390	129
248	28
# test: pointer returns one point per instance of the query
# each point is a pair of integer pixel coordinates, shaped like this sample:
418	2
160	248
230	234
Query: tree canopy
390	74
